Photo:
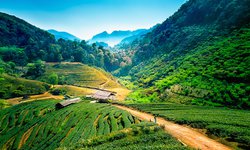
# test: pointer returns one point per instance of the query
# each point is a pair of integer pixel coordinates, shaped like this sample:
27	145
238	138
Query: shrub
58	91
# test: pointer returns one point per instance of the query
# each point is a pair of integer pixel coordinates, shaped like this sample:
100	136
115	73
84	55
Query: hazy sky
85	18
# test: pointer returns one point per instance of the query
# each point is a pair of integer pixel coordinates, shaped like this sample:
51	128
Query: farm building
67	102
104	95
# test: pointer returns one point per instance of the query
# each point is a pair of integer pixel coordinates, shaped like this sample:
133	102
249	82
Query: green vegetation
35	69
58	91
16	87
200	55
139	136
195	57
38	125
78	74
229	124
4	104
209	75
16	55
24	43
53	79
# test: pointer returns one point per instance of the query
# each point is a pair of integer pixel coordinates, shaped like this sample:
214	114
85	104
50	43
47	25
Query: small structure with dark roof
104	96
67	103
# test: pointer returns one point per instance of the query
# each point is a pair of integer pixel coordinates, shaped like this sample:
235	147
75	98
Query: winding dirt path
187	136
43	96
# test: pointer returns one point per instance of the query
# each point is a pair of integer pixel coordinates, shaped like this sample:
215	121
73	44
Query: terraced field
228	124
38	125
79	79
81	75
145	136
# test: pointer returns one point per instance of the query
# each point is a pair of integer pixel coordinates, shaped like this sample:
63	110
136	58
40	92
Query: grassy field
38	125
228	124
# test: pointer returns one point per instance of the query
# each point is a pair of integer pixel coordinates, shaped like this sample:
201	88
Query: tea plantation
39	125
228	124
139	136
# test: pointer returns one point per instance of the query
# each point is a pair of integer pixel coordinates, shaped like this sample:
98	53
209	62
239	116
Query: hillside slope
15	31
86	77
79	74
16	87
23	43
115	37
198	55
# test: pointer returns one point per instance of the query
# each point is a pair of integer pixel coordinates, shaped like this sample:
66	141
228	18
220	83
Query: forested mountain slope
15	31
29	44
201	54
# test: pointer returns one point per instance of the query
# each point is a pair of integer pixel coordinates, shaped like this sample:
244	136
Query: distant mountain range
116	36
63	35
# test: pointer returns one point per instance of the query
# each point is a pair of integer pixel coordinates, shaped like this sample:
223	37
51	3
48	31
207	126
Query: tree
91	60
1	72
35	69
78	54
53	79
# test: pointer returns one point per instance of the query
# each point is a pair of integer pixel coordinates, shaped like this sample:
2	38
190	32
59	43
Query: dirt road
43	96
187	136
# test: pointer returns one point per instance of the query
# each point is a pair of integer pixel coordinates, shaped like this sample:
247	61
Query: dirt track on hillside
187	136
43	96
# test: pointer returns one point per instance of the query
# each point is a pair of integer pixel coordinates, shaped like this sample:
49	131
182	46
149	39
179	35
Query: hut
104	96
67	103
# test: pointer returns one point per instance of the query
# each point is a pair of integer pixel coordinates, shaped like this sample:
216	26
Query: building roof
102	95
68	102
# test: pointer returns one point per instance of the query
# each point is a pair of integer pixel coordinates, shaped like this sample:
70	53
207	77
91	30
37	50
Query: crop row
230	124
38	125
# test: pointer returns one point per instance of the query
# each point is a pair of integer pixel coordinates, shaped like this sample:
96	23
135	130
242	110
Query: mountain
138	35
22	43
63	35
131	41
200	55
103	44
15	31
115	37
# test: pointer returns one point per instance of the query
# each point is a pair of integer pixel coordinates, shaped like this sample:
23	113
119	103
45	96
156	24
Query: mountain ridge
16	31
64	35
114	37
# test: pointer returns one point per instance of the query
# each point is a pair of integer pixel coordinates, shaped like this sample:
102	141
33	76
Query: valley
180	84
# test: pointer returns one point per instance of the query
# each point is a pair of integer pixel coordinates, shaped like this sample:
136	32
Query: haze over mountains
63	35
104	39
116	36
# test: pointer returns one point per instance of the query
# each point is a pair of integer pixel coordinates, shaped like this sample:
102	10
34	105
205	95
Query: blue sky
85	18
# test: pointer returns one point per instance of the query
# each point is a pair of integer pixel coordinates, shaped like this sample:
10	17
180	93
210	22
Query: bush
58	91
